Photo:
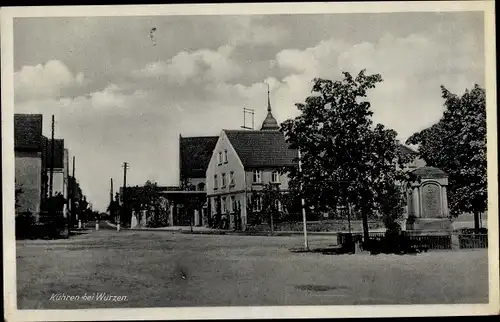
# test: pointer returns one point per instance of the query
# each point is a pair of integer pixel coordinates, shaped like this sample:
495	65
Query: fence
434	242
467	241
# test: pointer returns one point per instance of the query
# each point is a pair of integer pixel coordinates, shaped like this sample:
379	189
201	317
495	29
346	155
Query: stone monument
428	203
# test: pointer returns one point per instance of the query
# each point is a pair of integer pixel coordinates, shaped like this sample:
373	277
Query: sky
123	91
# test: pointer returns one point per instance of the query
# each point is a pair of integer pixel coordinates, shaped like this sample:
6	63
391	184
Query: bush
53	225
393	243
25	226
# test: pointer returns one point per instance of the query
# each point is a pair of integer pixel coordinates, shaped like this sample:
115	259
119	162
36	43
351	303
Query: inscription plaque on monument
431	201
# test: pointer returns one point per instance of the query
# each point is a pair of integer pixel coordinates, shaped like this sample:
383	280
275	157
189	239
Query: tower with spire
270	123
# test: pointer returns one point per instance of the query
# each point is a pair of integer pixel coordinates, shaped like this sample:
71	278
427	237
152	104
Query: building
194	156
59	168
244	161
28	161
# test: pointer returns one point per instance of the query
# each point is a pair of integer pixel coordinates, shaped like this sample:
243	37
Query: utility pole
125	167
51	177
303	202
71	195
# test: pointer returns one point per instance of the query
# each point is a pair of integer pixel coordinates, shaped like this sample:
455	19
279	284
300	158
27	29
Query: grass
166	269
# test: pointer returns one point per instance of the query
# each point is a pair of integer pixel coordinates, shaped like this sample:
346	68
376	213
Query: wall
233	164
266	178
58	182
321	226
196	181
28	174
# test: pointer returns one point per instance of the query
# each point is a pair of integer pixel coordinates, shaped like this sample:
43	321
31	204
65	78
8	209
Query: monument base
429	226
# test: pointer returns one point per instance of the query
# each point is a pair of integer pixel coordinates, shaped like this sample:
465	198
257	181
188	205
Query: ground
166	269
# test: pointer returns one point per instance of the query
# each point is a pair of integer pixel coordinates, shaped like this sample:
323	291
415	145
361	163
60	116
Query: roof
47	152
28	132
270	123
195	155
429	173
260	149
406	150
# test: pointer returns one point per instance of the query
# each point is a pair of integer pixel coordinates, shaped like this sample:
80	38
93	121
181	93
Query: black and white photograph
248	161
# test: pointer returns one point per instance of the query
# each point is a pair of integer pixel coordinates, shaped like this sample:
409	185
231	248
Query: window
225	156
278	205
223	180
257	203
275	177
231	178
257	176
216	182
233	204
224	205
219	158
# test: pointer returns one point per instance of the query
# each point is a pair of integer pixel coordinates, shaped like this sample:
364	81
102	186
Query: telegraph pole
304	219
51	177
125	167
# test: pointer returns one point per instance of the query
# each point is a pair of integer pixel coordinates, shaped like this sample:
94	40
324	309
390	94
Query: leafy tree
18	194
457	145
114	207
345	159
274	205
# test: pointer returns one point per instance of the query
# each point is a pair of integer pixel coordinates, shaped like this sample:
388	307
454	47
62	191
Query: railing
431	241
467	241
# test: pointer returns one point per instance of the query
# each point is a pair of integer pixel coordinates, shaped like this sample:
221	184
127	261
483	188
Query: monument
428	202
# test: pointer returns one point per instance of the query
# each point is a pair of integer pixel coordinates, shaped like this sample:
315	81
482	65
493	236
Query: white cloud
412	67
44	80
198	66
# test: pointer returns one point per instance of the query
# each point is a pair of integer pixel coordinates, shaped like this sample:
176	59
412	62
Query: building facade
28	162
244	161
59	165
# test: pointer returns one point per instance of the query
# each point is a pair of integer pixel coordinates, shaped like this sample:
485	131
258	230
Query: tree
345	160
114	207
18	194
457	145
272	200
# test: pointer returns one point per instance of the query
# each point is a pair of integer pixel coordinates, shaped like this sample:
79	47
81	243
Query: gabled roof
28	132
47	152
406	150
260	149
195	155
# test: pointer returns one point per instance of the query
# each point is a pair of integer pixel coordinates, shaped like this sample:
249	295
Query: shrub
25	226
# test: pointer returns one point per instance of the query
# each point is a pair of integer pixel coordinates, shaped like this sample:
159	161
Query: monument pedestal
437	226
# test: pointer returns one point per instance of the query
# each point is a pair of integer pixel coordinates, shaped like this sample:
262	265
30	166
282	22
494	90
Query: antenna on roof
252	113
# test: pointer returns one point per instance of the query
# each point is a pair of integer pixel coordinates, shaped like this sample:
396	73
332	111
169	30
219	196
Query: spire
268	100
270	123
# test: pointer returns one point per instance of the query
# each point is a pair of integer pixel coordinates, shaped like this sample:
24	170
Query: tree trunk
476	220
366	234
272	223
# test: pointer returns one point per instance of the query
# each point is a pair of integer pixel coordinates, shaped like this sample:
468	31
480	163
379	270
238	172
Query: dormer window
257	176
225	156
275	177
219	158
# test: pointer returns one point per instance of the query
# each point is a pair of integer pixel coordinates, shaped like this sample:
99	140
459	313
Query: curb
234	233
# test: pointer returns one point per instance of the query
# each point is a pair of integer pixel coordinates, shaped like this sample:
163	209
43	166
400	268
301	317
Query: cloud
413	68
45	80
197	66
